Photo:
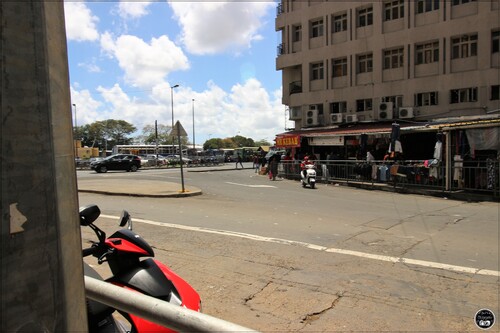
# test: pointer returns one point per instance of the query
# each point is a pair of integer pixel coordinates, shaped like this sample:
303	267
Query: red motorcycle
123	251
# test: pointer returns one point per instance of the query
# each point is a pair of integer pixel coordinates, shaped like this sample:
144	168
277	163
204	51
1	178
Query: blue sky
125	56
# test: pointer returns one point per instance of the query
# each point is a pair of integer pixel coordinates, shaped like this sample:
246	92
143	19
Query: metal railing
279	9
155	310
295	87
280	49
478	177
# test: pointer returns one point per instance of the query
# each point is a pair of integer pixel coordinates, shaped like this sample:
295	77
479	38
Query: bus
142	150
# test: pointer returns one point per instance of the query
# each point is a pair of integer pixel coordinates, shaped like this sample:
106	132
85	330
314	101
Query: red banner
288	141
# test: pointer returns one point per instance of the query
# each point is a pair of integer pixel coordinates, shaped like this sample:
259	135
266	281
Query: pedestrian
239	161
273	165
256	163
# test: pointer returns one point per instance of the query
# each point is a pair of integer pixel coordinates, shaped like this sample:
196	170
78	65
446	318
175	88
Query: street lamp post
172	101
193	128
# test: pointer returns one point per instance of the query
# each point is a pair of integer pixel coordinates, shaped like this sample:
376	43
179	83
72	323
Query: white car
174	159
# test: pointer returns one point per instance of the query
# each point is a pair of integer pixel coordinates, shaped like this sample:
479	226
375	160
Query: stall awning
330	136
357	129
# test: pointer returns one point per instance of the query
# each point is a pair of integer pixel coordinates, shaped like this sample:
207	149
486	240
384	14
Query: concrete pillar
42	273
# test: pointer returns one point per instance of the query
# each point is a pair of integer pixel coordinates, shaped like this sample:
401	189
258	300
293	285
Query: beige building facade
378	61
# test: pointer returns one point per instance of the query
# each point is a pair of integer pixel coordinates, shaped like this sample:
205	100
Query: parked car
151	160
175	159
126	162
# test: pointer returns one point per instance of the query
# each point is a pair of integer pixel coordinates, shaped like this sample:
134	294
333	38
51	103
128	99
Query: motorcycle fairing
189	297
155	279
125	240
148	279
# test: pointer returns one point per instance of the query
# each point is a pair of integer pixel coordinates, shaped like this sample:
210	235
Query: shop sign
327	141
288	141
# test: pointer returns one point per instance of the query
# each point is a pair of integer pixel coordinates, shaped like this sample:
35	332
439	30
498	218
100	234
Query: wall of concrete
42	274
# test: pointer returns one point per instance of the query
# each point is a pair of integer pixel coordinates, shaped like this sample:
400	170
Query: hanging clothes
490	174
458	164
438	150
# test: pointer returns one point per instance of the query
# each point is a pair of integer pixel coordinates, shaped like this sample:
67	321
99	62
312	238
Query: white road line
364	255
271	186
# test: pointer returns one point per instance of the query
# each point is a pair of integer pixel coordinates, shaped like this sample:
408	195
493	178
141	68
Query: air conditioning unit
385	111
335	118
406	112
351	118
312	118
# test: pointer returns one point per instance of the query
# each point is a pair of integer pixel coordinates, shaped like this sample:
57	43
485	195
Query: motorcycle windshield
132	243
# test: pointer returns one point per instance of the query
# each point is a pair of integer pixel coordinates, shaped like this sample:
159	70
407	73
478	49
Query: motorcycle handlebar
89	251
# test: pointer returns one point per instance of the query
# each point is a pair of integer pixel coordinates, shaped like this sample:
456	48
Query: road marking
246	185
423	263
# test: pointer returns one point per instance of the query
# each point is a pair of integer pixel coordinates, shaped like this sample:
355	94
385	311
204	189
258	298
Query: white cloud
214	27
133	9
246	110
90	67
145	64
87	108
80	23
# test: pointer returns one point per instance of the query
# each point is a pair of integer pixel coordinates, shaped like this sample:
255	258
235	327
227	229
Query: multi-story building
362	61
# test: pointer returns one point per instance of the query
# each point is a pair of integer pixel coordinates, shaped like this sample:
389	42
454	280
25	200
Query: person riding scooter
305	162
308	173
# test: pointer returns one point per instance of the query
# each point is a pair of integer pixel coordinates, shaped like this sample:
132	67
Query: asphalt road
276	257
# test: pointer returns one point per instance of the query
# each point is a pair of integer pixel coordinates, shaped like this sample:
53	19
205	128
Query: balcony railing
279	9
295	87
280	49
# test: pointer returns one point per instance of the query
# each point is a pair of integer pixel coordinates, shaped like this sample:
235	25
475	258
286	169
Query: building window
495	93
317	28
365	17
427	98
461	2
394	10
317	71
495	41
297	33
338	107
339	22
339	67
464	46
424	6
396	100
463	95
393	58
427	53
363	105
365	63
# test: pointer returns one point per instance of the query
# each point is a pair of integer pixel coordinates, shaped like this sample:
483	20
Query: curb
219	169
167	195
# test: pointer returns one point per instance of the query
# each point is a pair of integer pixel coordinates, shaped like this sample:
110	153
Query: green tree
108	132
215	143
262	142
241	141
149	136
117	131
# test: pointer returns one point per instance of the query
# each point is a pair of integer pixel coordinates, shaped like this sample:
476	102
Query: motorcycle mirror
88	214
124	219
